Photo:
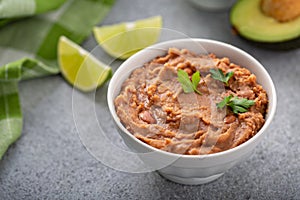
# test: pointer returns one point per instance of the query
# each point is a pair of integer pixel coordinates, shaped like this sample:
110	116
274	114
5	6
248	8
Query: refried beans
154	108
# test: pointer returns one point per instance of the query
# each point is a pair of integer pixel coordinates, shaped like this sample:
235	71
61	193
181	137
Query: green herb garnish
238	105
218	75
187	85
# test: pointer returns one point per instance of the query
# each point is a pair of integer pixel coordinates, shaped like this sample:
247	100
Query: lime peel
125	39
79	67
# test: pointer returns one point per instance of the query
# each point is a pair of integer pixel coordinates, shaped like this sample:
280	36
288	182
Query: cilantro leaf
185	81
238	105
242	101
225	101
196	79
237	108
228	76
218	75
187	85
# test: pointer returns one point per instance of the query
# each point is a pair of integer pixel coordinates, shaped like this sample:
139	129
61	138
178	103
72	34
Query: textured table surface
50	162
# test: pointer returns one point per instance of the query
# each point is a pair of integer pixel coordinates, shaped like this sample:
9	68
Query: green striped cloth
22	8
28	47
13	9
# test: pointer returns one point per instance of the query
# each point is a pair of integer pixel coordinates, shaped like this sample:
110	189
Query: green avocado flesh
250	22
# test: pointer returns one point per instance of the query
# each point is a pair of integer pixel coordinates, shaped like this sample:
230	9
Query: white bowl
213	4
190	169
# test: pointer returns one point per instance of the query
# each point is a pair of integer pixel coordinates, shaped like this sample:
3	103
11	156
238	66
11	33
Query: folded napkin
21	8
13	9
32	42
10	110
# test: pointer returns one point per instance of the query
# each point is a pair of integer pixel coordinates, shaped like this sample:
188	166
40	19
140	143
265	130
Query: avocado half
250	22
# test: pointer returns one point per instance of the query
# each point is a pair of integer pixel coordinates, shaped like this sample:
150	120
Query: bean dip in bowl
192	108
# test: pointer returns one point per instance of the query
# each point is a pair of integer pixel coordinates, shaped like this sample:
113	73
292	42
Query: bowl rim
271	111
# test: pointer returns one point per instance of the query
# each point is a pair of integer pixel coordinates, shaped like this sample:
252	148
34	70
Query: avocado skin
287	45
276	46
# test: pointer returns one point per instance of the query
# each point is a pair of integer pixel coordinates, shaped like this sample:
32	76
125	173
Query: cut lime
79	67
125	39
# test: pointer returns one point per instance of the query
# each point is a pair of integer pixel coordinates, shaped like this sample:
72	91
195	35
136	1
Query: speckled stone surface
50	162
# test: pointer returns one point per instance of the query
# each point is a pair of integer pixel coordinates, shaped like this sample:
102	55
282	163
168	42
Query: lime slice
125	39
79	67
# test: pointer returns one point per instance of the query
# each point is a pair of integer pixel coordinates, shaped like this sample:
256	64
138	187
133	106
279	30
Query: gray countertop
49	161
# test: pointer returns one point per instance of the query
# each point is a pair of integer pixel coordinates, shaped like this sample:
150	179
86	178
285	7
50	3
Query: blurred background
50	162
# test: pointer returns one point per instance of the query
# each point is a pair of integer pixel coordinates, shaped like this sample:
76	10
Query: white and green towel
14	9
28	47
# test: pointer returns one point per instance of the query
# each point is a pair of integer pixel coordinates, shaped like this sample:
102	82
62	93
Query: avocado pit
281	10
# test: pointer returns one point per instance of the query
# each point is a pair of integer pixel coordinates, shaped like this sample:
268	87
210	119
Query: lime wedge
79	67
125	39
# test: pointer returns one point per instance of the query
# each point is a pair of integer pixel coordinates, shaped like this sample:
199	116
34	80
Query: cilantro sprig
218	75
238	105
187	85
